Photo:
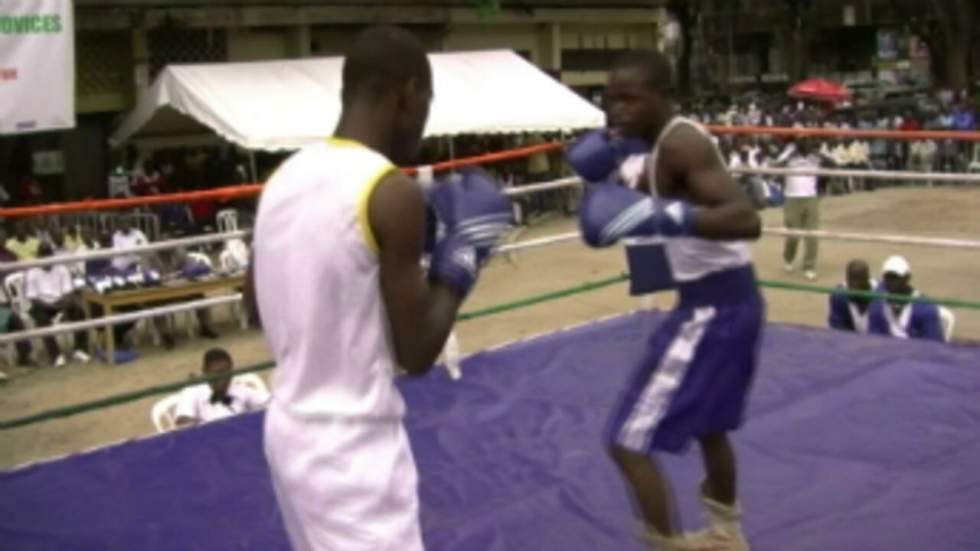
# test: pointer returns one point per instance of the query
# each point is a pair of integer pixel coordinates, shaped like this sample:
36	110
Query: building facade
121	45
759	44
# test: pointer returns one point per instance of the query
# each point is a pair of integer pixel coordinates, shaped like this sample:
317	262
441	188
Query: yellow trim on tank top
362	207
362	203
344	142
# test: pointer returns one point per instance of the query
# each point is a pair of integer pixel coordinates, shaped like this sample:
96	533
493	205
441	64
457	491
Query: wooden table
168	291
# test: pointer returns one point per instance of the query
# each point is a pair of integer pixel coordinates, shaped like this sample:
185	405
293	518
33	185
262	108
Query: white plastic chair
15	285
231	264
974	165
252	380
227	220
164	413
948	320
190	316
227	262
234	258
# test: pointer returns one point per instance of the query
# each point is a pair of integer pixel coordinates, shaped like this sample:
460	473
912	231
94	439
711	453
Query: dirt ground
945	273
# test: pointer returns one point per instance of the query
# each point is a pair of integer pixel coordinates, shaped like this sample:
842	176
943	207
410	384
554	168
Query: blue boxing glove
610	212
597	154
472	215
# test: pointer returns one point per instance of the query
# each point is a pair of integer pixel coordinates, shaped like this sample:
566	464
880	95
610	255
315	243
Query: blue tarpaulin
851	443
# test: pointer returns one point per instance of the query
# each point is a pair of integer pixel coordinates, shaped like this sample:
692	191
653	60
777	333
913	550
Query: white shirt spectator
803	185
195	402
860	152
237	251
839	155
123	241
49	285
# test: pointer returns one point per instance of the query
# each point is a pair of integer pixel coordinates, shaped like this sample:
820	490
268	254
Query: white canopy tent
283	105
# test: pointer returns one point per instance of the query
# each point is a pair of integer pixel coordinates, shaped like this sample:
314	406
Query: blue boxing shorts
698	367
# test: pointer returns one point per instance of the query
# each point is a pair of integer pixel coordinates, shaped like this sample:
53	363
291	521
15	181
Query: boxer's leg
648	400
650	489
719	468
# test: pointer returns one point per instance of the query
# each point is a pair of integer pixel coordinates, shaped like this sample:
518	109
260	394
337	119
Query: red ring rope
250	190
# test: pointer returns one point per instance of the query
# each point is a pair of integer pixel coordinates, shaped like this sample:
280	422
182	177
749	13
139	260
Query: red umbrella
820	89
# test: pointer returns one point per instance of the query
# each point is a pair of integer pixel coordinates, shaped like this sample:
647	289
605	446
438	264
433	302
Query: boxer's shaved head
858	275
655	68
638	97
858	268
383	59
387	89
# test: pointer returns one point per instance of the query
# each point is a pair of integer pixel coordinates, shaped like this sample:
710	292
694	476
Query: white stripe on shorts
655	399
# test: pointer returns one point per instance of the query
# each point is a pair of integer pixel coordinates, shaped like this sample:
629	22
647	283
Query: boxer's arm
421	313
723	210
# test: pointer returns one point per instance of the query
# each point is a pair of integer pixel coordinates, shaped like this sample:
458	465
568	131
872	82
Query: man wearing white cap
912	318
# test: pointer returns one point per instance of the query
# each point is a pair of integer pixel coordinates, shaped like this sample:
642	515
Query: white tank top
316	270
692	258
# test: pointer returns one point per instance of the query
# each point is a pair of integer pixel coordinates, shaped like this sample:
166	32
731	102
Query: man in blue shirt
917	318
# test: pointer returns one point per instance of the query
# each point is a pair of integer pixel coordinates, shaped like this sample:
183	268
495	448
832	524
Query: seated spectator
221	397
916	318
99	266
59	243
6	255
922	154
178	262
51	292
10	321
23	243
73	238
127	237
850	313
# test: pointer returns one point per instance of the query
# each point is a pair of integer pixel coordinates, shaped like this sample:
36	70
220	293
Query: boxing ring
852	442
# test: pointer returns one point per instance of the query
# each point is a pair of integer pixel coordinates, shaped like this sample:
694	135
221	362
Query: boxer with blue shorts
693	381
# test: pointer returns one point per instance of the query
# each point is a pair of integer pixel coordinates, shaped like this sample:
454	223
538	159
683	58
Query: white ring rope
561	183
941	242
869	174
71	327
525	244
111	253
218	237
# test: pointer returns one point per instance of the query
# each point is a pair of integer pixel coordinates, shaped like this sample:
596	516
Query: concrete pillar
141	60
552	54
300	41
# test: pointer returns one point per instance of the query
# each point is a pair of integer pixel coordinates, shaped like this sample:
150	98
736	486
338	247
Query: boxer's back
316	272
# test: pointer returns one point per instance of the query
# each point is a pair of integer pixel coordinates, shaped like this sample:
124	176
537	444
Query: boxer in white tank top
337	285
